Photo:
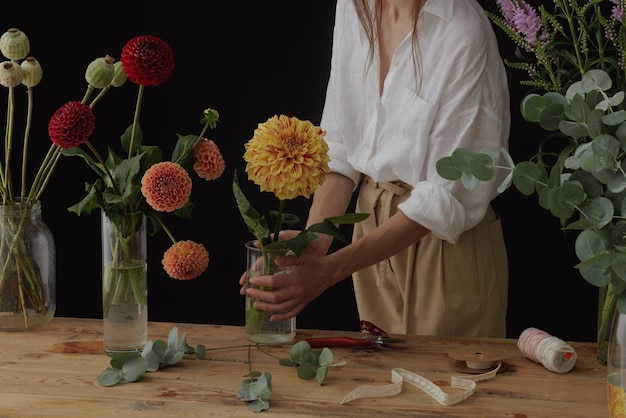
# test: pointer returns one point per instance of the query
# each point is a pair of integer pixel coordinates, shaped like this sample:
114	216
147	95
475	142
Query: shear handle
338	342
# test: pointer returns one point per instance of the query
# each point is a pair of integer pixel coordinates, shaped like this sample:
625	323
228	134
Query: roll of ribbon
475	359
552	352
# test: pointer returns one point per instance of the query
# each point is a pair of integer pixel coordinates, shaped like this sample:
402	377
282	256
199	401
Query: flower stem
279	219
133	135
8	146
29	118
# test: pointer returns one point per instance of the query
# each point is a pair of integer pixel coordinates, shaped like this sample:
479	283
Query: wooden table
52	372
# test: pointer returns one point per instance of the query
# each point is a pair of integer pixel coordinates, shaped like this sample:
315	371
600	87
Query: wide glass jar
27	269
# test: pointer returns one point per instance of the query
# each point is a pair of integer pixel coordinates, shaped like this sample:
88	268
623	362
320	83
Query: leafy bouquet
26	296
574	57
138	184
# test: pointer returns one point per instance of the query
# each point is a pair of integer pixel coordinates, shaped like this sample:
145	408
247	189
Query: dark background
249	60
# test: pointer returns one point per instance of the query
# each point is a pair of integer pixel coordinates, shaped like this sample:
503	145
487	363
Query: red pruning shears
375	337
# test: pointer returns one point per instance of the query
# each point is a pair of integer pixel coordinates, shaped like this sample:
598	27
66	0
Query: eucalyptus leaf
481	166
551	116
321	374
618	264
526	175
531	107
563	200
615	118
446	169
110	377
596	79
134	368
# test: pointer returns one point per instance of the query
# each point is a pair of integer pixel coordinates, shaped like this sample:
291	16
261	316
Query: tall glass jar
27	269
616	366
259	328
124	282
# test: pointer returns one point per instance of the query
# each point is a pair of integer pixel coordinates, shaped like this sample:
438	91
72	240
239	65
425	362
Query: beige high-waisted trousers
433	287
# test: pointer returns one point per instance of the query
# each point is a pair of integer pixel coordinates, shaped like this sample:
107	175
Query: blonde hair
370	20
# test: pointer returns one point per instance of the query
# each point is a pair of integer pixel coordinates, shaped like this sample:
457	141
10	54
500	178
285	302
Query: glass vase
606	307
28	263
259	328
124	282
616	366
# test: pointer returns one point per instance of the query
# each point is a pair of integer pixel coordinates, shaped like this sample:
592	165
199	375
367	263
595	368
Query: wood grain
53	372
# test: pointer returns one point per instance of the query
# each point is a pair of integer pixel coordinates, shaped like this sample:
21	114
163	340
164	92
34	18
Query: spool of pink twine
552	352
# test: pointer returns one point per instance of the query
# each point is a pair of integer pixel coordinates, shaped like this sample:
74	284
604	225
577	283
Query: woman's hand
291	292
283	235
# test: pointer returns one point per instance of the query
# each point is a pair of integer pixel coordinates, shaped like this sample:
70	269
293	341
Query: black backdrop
250	60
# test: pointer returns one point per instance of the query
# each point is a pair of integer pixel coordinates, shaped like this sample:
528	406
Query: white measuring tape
474	360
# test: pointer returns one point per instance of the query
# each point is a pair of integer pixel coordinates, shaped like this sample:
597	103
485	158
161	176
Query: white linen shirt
462	101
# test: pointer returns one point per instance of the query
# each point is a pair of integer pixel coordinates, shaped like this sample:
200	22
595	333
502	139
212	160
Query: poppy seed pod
10	74
119	76
32	72
14	44
99	73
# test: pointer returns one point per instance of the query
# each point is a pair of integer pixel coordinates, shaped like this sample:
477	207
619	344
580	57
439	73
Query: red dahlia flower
71	125
147	60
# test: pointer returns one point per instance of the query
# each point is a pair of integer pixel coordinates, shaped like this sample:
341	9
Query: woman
410	81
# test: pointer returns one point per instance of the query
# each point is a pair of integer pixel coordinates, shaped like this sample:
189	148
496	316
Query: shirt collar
439	8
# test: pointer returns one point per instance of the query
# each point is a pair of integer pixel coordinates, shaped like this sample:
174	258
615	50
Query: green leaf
306	372
531	107
563	200
605	149
134	368
348	218
321	374
326	357
595	265
461	159
153	360
596	79
125	139
183	149
256	391
615	118
526	175
446	169
256	224
618	264
600	210
551	116
79	152
110	377
118	360
481	166
172	339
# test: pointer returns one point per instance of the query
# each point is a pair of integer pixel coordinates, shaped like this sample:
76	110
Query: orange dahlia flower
208	160
166	186
287	156
185	260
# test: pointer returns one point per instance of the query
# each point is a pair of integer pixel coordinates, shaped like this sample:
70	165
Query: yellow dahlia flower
287	156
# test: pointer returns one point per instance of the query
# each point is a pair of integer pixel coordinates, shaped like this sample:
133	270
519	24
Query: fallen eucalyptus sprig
256	386
130	367
311	362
